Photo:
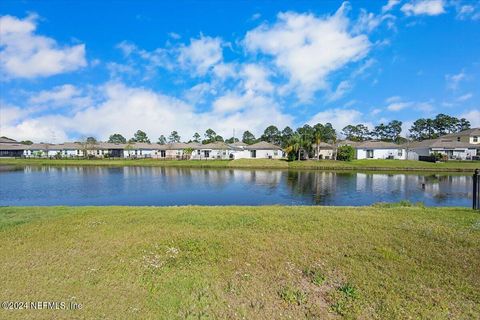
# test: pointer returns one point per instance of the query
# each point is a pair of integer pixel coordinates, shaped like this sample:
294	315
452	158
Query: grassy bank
235	262
372	165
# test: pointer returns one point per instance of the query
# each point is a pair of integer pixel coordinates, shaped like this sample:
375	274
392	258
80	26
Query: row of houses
216	150
464	145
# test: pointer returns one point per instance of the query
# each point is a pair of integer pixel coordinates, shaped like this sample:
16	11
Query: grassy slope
230	262
403	165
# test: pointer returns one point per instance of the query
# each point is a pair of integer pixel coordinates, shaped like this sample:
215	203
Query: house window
369	154
275	153
253	153
198	152
135	152
162	153
98	152
475	139
206	153
400	152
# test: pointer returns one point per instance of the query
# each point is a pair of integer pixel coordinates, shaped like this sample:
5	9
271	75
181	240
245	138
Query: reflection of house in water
270	178
436	186
413	186
381	183
319	186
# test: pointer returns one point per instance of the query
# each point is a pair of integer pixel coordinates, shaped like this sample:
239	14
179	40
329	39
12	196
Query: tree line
307	139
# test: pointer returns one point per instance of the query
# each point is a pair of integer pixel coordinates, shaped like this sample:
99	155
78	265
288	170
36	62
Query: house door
370	154
206	153
163	153
253	153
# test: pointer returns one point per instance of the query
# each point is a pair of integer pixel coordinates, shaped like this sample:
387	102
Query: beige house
323	150
470	136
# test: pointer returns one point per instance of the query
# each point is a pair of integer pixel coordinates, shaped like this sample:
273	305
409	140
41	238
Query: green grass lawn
381	262
401	165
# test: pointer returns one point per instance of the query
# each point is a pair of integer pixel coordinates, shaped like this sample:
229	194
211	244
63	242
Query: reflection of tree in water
431	179
317	185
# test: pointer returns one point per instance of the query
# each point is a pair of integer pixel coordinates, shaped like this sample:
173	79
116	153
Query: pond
156	186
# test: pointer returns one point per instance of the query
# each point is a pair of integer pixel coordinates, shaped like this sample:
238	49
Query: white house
453	149
379	150
214	150
259	150
134	150
175	151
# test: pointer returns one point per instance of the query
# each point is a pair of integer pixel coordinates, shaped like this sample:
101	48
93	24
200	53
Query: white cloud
126	109
390	5
339	118
473	116
393	99
453	80
368	21
60	97
397	106
424	7
465	97
255	78
224	70
307	49
342	88
28	55
198	93
201	54
468	11
17	123
60	93
396	103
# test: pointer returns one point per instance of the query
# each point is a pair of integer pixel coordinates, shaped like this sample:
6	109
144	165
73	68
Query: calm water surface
180	186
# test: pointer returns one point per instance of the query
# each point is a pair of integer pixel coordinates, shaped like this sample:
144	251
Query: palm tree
295	144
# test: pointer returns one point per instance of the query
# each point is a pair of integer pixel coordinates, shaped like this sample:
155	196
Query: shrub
291	295
345	153
349	291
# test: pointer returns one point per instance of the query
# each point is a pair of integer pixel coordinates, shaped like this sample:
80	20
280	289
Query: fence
427	158
476	190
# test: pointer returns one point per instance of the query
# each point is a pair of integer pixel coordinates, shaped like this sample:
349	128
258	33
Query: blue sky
76	69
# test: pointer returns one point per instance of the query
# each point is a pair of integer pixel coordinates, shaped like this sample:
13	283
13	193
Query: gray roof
263	145
42	146
215	146
238	144
374	144
464	133
7	140
440	143
322	145
177	146
347	143
135	146
12	146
